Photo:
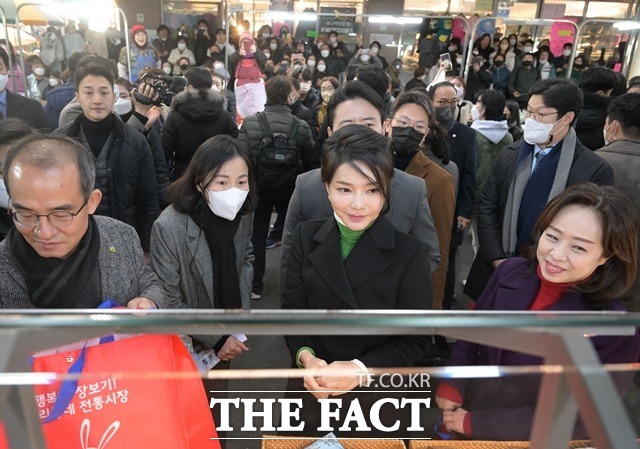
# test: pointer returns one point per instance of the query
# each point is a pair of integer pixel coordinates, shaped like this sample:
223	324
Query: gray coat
624	158
180	257
123	273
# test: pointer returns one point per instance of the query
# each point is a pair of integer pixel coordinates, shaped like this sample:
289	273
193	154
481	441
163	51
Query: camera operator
197	114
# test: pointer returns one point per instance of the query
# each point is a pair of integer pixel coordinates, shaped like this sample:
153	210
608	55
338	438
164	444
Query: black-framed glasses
58	218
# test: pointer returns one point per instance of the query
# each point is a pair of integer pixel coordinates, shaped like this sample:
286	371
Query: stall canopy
31	15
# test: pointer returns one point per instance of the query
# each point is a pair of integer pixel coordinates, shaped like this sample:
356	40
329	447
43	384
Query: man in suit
58	255
462	144
17	106
516	192
357	103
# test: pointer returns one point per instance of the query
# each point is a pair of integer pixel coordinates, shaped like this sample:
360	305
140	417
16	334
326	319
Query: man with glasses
527	174
58	255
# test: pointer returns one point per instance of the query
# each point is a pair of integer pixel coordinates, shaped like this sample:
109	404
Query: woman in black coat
196	114
354	260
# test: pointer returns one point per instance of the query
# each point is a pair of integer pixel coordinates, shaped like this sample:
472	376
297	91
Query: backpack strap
264	125
293	129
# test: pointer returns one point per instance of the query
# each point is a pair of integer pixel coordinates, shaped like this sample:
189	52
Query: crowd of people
159	194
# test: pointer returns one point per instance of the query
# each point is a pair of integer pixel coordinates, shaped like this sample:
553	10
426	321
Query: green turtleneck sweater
349	238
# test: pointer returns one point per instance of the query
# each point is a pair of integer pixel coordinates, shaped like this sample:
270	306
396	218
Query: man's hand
463	223
454	419
153	115
147	91
231	349
141	303
496	263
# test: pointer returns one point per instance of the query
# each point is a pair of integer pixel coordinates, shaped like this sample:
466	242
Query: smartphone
295	56
247	46
477	60
365	51
446	58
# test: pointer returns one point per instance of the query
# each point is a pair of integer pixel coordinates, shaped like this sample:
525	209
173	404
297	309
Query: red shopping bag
108	411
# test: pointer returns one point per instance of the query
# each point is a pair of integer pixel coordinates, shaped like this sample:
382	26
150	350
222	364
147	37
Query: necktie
539	156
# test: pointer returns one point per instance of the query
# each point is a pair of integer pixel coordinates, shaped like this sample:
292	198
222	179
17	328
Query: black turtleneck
97	133
402	162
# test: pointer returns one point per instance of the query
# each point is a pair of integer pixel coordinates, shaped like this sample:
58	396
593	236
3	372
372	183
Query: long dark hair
185	194
619	224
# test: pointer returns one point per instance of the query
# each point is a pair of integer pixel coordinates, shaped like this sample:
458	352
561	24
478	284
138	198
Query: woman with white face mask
37	82
180	52
200	244
11	130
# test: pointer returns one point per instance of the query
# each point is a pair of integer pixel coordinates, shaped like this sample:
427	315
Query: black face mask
184	67
498	63
526	63
405	141
578	66
444	114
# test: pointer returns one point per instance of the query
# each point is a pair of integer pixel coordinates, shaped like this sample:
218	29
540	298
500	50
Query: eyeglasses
403	122
59	219
538	115
446	103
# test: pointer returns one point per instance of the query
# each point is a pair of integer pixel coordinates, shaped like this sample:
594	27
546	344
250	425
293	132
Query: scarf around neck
71	283
219	234
519	183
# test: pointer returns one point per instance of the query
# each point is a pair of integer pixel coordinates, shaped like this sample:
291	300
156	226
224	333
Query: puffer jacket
133	189
194	117
279	117
57	99
591	120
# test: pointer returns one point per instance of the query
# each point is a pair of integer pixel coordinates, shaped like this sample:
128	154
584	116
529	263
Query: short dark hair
353	90
95	59
597	78
493	102
13	129
278	90
418	72
46	151
514	110
125	82
199	78
374	77
438	139
359	145
294	83
162	27
624	109
335	33
567	44
619	238
73	61
307	74
560	94
634	81
203	21
432	92
184	38
621	85
93	69
186	194
220	31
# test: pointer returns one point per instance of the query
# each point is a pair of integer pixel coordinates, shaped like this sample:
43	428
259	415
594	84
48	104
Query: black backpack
277	162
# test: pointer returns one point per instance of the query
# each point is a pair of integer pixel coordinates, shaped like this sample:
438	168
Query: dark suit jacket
503	408
26	109
385	270
462	142
586	166
409	211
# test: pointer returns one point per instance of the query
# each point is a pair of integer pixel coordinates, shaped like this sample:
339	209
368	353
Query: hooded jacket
491	137
195	116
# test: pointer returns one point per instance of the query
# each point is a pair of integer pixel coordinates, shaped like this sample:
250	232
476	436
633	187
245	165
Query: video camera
165	87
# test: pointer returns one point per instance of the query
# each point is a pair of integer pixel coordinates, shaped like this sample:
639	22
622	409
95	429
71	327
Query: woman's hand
446	404
310	382
454	420
231	349
341	384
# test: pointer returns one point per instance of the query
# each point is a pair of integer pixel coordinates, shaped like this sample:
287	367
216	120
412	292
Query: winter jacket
133	189
500	78
491	137
57	99
175	56
591	120
492	204
305	114
279	117
521	81
192	120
